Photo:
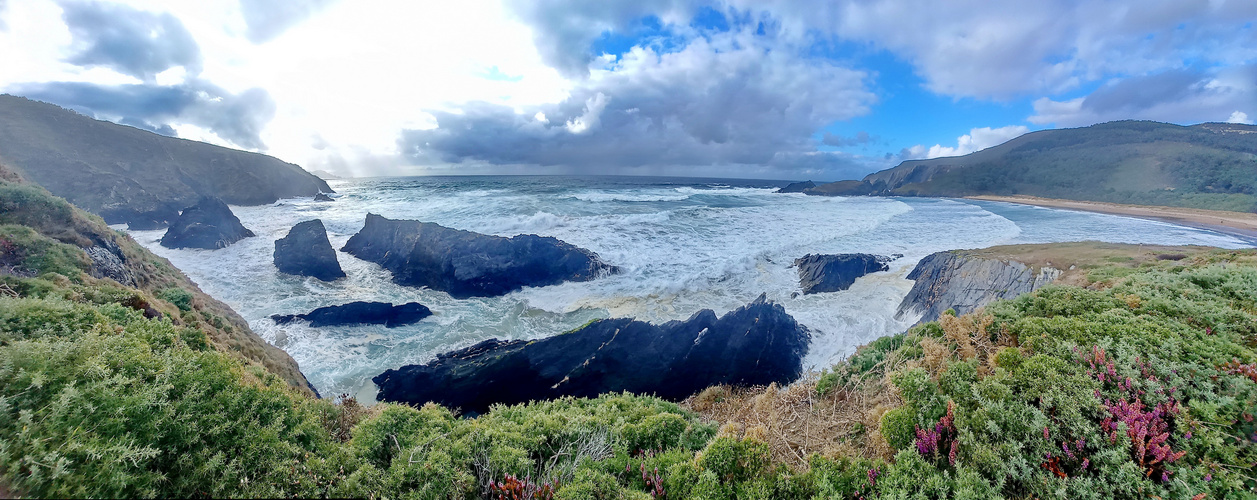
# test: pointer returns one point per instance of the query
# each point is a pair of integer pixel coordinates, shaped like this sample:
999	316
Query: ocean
683	245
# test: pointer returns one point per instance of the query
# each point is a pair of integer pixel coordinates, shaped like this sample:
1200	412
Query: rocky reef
209	225
833	273
306	251
956	280
796	187
466	264
756	344
356	313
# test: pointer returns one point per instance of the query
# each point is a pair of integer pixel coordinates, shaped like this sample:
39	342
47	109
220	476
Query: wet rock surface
209	225
357	313
832	273
756	344
466	264
306	251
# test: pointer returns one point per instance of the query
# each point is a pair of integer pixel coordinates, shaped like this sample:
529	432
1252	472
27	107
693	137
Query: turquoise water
684	245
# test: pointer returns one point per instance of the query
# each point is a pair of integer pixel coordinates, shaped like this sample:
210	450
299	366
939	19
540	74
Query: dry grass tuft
796	422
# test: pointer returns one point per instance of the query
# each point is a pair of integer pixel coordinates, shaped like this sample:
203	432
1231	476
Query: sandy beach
1243	225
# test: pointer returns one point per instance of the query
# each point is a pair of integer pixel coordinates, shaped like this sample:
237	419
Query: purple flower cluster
1148	430
930	442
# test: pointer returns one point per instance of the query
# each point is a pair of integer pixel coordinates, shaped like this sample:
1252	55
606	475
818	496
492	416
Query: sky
771	89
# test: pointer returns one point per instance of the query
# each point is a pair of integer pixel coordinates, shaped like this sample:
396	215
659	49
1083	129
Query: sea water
683	245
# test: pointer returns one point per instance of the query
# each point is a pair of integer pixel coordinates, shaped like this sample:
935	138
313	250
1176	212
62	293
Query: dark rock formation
209	224
322	197
355	313
107	263
306	251
129	175
466	264
756	344
796	187
833	273
954	280
841	188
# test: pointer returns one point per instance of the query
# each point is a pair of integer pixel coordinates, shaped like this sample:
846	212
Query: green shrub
179	297
898	427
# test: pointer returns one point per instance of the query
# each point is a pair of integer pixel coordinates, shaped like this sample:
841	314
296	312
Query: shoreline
1238	224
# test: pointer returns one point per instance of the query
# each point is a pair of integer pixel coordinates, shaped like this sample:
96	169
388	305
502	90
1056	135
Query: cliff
965	280
756	344
128	175
53	249
953	280
467	264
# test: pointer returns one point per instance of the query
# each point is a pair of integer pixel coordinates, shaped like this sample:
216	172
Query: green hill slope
1211	165
125	174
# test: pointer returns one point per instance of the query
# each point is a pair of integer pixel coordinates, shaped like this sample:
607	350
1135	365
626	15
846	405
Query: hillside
118	378
1210	165
129	175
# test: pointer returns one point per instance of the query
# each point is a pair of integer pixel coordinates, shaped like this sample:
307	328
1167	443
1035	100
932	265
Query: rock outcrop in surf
757	344
306	251
833	273
466	264
357	313
209	225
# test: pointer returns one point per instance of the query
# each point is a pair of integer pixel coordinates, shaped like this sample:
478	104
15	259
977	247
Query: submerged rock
209	224
954	280
306	251
756	344
355	313
833	273
466	264
322	197
796	187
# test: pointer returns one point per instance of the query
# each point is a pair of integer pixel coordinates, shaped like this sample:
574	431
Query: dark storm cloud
1177	96
713	103
838	141
267	19
130	41
236	118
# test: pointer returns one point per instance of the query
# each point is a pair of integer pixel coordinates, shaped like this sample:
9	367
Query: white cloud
1176	96
1239	117
976	140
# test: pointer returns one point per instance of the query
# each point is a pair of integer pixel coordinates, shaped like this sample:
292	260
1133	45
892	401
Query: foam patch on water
680	248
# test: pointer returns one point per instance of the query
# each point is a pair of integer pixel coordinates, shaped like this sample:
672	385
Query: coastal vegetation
1137	380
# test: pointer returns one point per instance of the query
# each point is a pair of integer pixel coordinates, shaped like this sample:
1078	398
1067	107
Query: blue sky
784	89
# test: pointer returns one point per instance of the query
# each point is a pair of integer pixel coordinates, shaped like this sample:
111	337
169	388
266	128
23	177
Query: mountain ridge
130	175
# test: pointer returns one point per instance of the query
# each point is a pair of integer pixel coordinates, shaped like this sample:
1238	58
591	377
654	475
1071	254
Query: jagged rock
466	264
756	344
841	188
209	224
796	187
954	280
306	251
354	313
322	197
107	264
833	273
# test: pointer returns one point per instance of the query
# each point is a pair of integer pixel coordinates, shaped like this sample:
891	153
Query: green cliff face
1211	165
129	175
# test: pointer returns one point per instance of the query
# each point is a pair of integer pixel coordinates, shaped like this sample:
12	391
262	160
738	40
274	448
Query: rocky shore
756	344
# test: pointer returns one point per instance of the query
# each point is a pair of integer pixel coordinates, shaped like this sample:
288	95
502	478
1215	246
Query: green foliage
898	427
23	248
179	297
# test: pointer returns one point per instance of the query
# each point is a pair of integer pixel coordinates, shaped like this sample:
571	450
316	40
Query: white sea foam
680	249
